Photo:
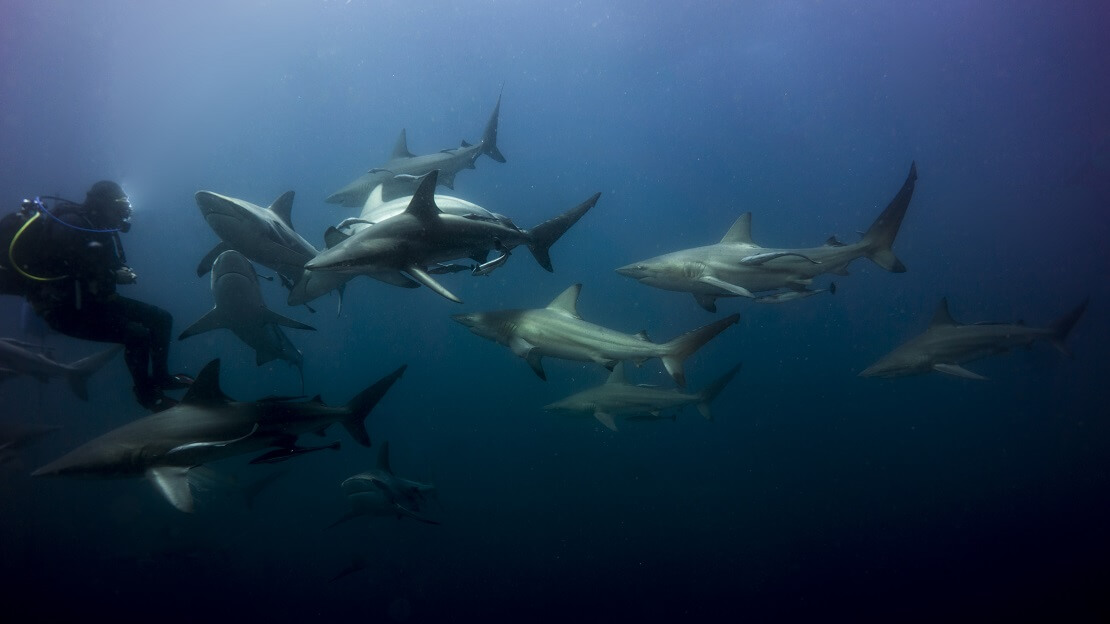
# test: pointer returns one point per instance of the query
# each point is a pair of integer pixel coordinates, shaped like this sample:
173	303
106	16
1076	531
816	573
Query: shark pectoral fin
520	347
214	319
523	348
707	302
606	419
269	316
205	264
422	276
957	371
723	285
173	483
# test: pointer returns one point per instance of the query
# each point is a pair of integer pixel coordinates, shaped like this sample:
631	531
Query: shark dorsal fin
423	203
833	241
942	316
465	144
741	230
383	458
319	400
643	335
333	237
401	147
283	208
567	301
206	388
617	376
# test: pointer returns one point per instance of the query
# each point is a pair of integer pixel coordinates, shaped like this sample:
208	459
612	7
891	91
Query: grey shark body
558	331
380	492
400	249
399	173
20	358
617	397
946	345
266	237
737	267
207	426
240	308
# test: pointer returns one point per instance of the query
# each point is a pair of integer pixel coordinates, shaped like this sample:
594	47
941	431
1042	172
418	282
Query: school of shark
409	235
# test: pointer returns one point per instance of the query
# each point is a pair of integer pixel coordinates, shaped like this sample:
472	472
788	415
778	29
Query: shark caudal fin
706	396
1062	327
359	407
82	369
680	348
544	235
879	238
489	135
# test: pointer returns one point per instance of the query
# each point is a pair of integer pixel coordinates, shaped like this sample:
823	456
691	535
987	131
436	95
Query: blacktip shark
240	308
207	426
945	345
400	173
617	397
380	492
737	267
401	248
266	237
558	331
21	358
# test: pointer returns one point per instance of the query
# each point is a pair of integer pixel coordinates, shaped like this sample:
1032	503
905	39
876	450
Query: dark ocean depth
813	494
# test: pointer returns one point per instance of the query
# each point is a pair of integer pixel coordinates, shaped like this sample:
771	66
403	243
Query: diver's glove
126	276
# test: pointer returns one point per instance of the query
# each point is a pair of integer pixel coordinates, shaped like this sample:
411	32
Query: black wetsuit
84	303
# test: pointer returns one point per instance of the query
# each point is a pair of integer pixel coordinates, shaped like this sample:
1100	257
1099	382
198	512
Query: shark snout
469	319
635	271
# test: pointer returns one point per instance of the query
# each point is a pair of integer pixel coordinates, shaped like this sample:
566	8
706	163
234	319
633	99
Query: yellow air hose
11	254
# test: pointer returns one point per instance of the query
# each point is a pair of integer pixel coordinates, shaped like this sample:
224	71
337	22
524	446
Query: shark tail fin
1062	327
712	390
360	406
489	135
82	369
879	238
678	349
544	235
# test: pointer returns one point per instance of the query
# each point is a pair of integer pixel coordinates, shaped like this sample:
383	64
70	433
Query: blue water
812	494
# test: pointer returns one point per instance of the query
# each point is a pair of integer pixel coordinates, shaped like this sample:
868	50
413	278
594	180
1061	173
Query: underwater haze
812	494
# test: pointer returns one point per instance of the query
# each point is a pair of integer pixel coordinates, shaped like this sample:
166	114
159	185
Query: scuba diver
72	260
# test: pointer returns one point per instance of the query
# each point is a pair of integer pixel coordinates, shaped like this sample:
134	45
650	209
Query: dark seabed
813	495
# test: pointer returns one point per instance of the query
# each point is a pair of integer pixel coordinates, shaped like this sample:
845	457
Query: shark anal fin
957	371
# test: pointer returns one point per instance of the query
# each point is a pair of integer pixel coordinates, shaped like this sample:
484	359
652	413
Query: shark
400	172
400	249
558	331
380	492
738	267
21	358
617	397
946	344
265	235
207	426
240	308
